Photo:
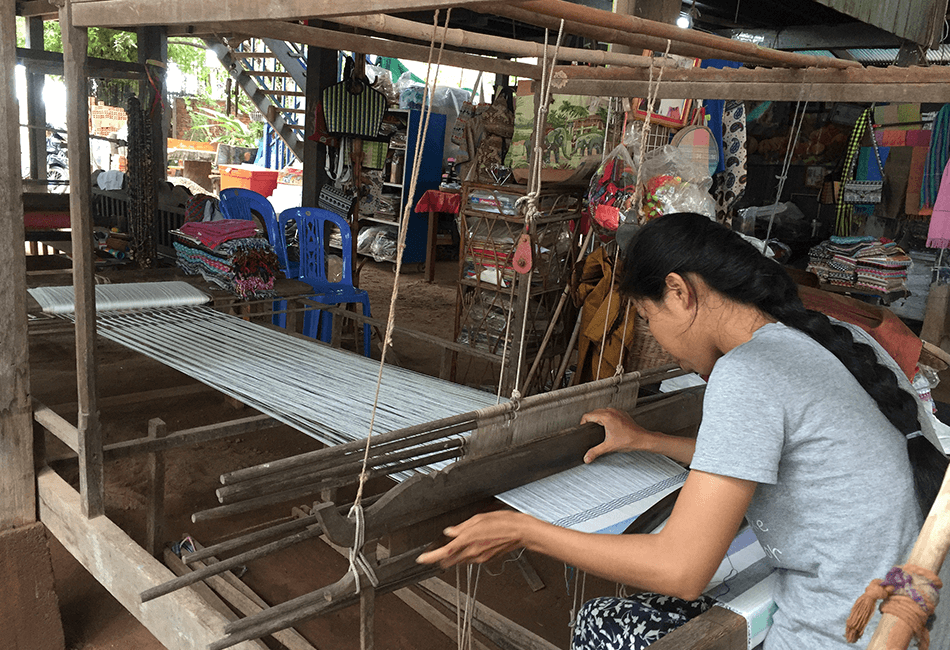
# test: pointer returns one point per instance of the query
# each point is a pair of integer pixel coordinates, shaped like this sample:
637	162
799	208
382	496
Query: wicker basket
645	352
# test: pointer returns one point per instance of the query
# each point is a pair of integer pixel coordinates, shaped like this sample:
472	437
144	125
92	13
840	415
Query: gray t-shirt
835	505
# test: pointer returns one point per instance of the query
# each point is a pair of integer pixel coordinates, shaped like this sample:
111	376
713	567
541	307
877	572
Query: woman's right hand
621	433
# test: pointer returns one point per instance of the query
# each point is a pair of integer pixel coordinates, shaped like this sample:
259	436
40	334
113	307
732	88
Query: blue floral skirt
632	623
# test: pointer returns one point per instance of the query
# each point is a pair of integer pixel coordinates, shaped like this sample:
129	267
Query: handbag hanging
352	107
865	192
335	200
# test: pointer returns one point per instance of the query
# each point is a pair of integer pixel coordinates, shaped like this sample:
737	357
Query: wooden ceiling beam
812	84
392	26
138	13
336	40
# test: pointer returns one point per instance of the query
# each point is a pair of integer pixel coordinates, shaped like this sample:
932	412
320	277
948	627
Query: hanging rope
653	90
357	560
530	202
797	121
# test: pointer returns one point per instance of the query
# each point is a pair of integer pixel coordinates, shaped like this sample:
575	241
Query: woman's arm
678	561
621	433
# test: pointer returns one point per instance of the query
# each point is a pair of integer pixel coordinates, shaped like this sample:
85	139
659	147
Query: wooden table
436	202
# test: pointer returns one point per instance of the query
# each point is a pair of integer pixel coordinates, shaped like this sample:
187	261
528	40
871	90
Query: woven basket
645	352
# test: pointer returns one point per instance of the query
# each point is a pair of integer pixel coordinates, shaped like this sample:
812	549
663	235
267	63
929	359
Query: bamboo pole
728	48
384	24
929	552
608	35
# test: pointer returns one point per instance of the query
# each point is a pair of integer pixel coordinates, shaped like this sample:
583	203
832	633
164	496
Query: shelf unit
491	296
430	175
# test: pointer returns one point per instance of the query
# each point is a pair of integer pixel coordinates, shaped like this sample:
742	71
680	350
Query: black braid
693	244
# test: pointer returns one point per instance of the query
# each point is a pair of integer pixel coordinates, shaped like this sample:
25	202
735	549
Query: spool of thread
119	255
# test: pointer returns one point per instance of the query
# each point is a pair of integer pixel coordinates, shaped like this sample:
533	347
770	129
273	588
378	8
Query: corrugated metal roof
919	21
887	56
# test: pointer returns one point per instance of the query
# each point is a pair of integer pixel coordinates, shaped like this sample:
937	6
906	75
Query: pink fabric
918	138
438	201
938	236
215	233
45	220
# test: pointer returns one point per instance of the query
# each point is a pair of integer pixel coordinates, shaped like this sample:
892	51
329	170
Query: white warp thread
119	297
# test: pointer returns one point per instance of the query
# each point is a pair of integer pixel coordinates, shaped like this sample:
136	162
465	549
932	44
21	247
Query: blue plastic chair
311	235
239	203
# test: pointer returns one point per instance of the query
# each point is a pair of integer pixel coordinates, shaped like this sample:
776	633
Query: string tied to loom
358	562
908	592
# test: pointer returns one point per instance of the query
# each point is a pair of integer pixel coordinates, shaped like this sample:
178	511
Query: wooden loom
74	517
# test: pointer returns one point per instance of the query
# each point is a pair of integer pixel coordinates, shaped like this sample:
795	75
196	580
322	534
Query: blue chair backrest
239	203
311	235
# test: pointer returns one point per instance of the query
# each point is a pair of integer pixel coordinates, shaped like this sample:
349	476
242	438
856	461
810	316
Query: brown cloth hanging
592	287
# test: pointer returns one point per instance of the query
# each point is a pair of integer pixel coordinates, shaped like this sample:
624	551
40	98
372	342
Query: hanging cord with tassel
909	592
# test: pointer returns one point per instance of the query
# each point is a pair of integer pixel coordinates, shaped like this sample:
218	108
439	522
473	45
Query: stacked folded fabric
866	263
230	254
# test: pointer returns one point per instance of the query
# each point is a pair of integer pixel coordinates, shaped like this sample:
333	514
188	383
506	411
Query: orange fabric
881	323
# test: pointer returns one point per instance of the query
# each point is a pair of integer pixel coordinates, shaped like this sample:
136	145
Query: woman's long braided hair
691	244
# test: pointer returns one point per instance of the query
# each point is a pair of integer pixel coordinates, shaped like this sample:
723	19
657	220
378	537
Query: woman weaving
807	432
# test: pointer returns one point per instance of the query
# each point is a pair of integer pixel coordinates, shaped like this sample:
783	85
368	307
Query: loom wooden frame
75	517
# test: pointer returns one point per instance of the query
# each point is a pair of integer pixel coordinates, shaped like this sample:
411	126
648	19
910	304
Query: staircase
273	74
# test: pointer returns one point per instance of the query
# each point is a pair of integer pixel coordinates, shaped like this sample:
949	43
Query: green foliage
216	126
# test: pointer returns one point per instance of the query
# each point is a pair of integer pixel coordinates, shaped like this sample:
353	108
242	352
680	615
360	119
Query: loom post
91	482
155	500
929	552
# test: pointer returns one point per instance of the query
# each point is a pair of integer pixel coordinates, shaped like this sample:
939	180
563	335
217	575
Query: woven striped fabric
357	114
937	155
844	211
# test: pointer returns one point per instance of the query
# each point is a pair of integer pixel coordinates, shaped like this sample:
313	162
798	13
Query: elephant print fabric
632	623
730	184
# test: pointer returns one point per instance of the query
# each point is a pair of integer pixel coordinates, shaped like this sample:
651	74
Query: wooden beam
38	8
17	492
181	620
730	49
829	92
716	629
135	13
330	39
75	45
609	35
38	61
57	425
468	41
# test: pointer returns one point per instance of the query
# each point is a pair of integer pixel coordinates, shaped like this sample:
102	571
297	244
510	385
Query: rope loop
908	592
358	562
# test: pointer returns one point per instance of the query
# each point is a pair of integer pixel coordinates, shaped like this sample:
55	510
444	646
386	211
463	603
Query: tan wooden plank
181	620
131	13
57	425
750	91
179	568
716	629
17	494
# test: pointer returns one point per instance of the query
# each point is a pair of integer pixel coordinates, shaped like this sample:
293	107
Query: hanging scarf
843	211
937	156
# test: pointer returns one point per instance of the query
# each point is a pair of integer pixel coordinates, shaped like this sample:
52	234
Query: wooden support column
321	72
153	46
35	109
75	44
17	490
155	501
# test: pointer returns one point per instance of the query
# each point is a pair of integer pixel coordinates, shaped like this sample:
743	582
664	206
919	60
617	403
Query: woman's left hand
480	538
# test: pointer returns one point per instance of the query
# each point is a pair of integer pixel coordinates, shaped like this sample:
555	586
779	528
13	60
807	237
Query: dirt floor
93	620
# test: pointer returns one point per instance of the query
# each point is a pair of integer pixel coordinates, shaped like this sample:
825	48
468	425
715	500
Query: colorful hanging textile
937	157
844	211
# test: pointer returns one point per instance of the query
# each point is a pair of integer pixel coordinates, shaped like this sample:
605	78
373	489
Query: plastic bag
611	192
673	182
382	80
